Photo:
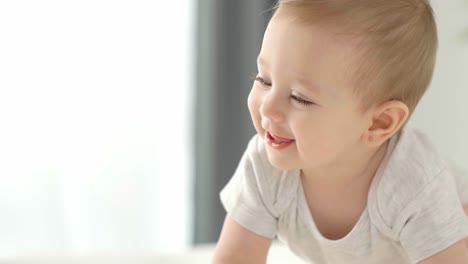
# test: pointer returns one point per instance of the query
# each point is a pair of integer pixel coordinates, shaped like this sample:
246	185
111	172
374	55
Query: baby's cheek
253	103
319	148
253	100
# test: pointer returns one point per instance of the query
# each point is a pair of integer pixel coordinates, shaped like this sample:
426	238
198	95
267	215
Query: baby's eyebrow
304	82
309	85
261	61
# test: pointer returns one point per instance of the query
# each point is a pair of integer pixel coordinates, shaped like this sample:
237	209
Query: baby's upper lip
279	138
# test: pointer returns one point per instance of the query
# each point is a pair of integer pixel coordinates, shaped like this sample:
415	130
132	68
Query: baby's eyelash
262	81
295	98
301	101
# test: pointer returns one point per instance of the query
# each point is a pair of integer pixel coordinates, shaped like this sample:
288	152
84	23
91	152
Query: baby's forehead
311	55
317	39
332	31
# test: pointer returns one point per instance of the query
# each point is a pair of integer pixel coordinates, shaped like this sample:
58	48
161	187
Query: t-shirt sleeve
434	220
461	180
248	195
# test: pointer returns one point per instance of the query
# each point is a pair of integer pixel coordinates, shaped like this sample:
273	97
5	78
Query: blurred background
120	121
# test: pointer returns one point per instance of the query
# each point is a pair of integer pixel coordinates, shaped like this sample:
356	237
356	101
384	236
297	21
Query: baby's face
301	102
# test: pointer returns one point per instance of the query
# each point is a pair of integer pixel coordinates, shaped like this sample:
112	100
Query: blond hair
398	40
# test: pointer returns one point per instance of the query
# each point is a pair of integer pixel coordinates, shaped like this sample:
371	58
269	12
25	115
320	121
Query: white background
95	100
443	111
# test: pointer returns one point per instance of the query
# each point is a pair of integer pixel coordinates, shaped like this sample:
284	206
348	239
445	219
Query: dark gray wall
229	35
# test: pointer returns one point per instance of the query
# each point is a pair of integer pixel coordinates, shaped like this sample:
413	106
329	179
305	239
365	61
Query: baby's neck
352	176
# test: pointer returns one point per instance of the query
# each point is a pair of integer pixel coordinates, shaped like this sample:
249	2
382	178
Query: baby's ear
387	119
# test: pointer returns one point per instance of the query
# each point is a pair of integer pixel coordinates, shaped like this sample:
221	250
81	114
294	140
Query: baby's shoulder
413	164
410	171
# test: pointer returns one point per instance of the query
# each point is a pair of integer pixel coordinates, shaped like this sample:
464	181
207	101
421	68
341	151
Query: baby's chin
281	163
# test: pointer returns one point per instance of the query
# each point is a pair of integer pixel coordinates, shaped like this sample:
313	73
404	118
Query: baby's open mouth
278	140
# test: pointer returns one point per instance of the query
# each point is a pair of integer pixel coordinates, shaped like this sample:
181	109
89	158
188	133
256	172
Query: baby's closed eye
301	101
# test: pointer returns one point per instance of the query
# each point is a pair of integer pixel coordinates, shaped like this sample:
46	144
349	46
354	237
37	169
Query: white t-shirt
414	208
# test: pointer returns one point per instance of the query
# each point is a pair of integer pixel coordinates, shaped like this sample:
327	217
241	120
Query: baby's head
340	75
395	43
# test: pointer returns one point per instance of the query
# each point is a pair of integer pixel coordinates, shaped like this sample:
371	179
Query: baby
335	171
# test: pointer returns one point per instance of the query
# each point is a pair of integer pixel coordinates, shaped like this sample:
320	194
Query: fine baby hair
396	40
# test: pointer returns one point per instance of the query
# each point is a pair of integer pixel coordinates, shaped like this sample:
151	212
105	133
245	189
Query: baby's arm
466	212
237	244
454	254
457	253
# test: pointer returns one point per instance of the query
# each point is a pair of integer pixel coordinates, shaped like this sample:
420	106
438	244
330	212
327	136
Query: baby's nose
271	109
